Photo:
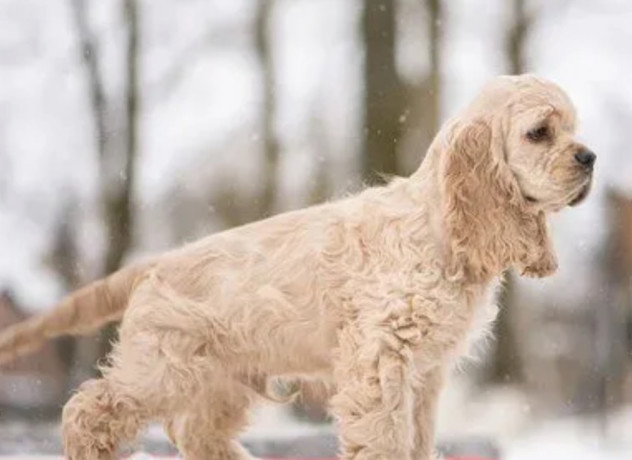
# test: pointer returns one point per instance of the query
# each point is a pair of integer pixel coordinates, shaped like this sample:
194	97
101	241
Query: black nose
586	158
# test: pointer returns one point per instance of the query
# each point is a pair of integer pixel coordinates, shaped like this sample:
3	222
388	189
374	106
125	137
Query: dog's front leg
374	401
427	388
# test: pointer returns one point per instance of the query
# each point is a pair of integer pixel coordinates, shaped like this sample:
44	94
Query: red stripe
447	458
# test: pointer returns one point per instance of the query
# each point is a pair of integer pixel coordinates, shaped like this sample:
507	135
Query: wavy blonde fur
376	294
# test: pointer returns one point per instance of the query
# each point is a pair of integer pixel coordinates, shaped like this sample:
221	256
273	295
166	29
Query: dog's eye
538	134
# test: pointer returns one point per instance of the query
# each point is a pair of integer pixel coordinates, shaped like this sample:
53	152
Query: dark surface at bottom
45	440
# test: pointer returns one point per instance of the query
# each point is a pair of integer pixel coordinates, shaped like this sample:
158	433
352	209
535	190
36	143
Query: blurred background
131	126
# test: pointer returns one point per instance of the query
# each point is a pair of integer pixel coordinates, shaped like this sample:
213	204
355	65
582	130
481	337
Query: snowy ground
503	415
576	439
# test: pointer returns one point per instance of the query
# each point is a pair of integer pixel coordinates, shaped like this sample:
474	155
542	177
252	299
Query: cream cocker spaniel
376	293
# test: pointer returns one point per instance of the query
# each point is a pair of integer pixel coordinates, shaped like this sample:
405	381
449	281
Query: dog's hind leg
138	385
209	428
168	363
141	384
203	422
97	419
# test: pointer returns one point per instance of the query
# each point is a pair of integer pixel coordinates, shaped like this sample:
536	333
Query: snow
506	415
502	414
569	438
574	438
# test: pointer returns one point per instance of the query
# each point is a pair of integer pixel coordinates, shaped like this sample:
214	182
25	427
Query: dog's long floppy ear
486	220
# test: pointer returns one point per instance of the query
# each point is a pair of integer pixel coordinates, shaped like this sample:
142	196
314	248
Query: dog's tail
83	311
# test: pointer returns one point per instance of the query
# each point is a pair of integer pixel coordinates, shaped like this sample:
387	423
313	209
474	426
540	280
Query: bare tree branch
89	55
270	139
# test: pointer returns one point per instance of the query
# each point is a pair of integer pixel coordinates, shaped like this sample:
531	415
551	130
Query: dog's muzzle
586	161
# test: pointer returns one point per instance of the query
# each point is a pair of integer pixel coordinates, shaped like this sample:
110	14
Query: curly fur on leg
97	419
426	389
373	403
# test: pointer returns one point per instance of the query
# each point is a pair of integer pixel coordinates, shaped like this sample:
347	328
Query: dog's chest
485	312
466	339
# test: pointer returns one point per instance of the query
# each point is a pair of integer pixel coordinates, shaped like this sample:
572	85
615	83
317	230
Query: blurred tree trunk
87	348
507	364
65	260
64	257
611	370
116	165
119	175
433	86
319	188
516	37
507	361
383	90
268	200
119	180
229	205
421	111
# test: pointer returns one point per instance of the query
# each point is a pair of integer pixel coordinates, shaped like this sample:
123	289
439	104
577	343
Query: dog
376	293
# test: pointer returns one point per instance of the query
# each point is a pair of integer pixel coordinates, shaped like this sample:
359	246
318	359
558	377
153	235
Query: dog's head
505	161
551	168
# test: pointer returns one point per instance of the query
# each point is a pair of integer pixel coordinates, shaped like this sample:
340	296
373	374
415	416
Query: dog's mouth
574	200
581	195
